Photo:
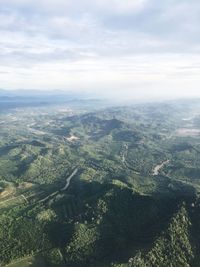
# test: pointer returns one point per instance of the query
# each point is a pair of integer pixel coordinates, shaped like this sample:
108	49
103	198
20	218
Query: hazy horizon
142	49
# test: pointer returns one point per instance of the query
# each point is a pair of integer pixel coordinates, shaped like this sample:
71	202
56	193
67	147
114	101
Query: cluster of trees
20	235
172	248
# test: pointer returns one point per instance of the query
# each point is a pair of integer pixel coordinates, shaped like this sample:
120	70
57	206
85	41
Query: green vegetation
114	187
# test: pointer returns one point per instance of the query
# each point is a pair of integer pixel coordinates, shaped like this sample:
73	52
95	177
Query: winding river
68	180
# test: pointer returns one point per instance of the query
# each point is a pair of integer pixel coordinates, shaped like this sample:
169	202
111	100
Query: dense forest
112	186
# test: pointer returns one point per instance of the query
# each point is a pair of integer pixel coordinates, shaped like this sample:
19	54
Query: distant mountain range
24	98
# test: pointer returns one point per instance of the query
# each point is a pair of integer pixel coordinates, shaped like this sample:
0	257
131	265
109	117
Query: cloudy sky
139	48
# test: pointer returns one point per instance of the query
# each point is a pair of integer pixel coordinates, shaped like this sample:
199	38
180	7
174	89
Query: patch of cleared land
29	262
184	132
25	185
12	201
159	167
9	190
72	138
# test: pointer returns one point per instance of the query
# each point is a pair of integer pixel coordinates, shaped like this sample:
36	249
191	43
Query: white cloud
58	6
99	44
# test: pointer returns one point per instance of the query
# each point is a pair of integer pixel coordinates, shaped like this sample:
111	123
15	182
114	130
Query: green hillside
114	187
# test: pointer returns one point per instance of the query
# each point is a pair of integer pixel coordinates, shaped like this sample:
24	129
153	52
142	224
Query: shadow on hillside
123	220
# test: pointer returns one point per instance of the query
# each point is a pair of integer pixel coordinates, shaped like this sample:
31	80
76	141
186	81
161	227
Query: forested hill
115	186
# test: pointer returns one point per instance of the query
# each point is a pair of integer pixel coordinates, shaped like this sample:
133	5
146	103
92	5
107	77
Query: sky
132	48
